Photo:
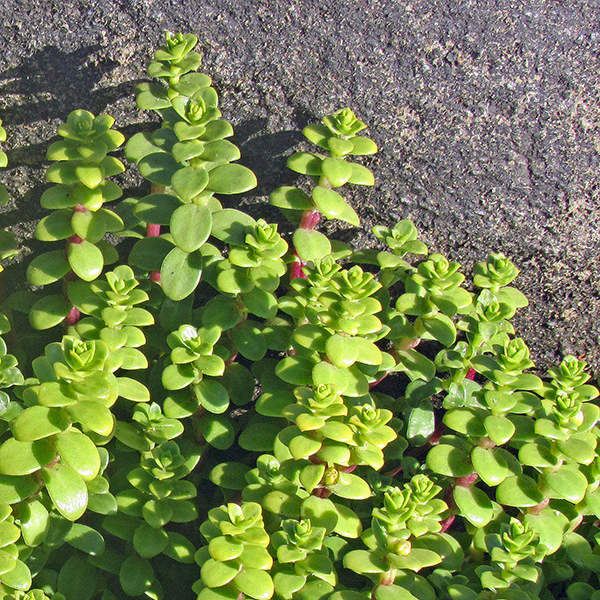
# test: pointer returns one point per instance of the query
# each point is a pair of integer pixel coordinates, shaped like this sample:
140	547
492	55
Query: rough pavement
487	114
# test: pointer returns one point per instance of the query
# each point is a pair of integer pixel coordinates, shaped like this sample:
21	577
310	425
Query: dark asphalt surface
487	114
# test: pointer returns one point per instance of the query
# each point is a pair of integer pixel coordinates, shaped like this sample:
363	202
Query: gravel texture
487	114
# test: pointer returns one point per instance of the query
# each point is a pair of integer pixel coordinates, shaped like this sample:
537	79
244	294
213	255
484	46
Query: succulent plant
236	412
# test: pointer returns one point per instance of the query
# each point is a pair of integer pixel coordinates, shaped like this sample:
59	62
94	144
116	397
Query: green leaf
568	483
550	525
229	226
448	460
349	524
79	452
363	146
490	465
295	370
158	168
67	491
333	206
322	512
149	253
15	489
291	198
212	395
92	415
231	179
152	98
311	245
148	541
90	174
157	513
190	226
474	504
361	175
499	429
412	304
19	578
337	170
34	522
580	447
363	561
520	491
466	421
54	227
239	383
180	273
351	486
140	145
136	575
348	381
392	592
86	539
260	303
217	431
133	390
39	422
249	341
189	182
341	351
223	312
85	259
318	134
49	311
89	225
23	458
254	583
220	151
305	163
230	475
183	151
216	574
157	208
440	328
415	365
421	423
180	548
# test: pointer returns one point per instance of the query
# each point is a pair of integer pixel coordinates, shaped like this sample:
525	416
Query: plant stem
153	230
538	508
310	219
74	314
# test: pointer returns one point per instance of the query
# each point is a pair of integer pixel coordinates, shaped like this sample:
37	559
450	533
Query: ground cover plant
206	409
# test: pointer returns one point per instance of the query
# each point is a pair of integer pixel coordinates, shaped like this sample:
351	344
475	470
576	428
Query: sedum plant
216	410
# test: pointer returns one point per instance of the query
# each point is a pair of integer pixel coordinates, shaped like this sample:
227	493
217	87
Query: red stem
73	317
466	481
296	268
447	522
74	314
471	374
153	230
310	219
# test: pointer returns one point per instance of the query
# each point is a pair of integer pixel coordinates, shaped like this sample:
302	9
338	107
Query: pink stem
153	230
73	317
447	522
466	481
310	219
296	268
74	314
471	374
